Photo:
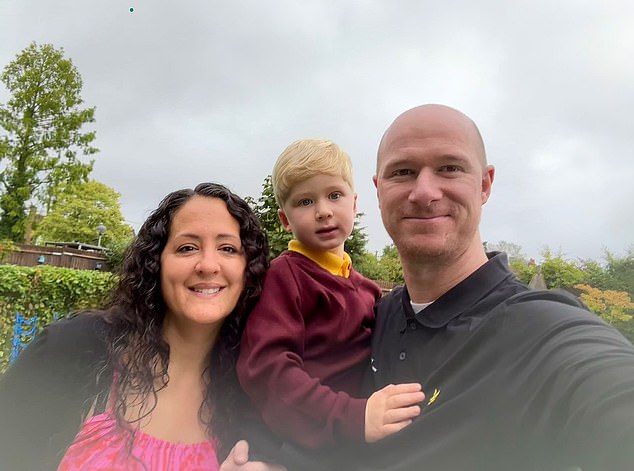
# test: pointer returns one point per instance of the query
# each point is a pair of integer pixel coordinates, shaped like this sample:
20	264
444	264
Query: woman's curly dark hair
140	355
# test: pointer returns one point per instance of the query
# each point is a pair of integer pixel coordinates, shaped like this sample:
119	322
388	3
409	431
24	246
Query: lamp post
100	229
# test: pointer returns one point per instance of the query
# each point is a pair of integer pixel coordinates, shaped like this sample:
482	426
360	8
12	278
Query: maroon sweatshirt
305	350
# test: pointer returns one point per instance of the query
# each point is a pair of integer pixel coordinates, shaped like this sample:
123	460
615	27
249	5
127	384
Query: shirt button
412	325
402	356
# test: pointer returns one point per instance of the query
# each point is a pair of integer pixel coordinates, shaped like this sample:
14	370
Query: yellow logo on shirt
433	397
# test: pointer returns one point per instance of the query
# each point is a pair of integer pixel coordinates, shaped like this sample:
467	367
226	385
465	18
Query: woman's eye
230	249
185	248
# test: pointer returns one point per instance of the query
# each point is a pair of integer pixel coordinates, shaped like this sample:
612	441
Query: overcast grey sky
190	91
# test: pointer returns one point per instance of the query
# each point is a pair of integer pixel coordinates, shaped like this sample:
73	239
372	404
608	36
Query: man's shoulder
394	296
544	305
552	316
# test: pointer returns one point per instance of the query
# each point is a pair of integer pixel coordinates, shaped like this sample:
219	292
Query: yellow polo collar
338	266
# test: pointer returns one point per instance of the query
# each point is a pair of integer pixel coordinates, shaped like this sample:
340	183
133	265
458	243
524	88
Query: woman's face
203	263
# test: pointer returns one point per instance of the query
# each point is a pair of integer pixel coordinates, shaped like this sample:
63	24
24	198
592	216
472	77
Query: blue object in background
23	332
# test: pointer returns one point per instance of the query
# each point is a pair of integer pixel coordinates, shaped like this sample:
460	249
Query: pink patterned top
101	445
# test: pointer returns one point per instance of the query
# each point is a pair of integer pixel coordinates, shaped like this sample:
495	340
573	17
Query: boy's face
320	212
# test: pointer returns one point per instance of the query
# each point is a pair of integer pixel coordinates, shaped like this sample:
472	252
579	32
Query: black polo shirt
514	380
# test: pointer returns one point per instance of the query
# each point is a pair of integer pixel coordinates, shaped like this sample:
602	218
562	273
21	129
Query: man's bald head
430	117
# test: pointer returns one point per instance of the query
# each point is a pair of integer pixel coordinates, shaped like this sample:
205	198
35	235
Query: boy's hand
391	409
238	460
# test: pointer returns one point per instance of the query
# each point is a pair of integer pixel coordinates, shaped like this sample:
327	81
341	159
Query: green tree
523	270
356	244
512	250
79	210
42	137
391	265
620	271
559	272
266	208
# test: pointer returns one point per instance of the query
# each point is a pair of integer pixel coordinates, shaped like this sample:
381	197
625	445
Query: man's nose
426	189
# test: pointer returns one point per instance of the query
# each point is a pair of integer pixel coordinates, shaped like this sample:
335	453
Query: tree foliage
79	210
42	140
386	267
613	306
620	271
266	208
512	250
46	292
559	272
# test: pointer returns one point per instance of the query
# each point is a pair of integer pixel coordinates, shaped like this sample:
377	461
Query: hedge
46	292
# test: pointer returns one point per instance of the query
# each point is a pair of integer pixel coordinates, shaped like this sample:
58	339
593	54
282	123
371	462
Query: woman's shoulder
80	335
80	326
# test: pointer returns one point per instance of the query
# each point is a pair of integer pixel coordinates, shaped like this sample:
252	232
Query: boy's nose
322	211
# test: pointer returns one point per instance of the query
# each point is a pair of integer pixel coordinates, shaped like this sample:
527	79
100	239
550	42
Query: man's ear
376	185
487	182
284	220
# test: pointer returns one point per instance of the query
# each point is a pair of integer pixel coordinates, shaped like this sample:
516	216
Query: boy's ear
355	205
284	220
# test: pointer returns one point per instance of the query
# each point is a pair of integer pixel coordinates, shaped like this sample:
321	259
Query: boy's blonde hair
305	158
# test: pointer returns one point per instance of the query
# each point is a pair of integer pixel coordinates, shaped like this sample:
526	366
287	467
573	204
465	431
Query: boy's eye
305	202
335	196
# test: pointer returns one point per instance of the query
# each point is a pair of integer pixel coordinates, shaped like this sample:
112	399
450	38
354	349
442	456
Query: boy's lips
327	230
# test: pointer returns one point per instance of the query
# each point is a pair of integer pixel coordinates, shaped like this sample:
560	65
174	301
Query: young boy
306	345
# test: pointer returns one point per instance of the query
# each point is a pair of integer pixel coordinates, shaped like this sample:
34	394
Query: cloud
194	91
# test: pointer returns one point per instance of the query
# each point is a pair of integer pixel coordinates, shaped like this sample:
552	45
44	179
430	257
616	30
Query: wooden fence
58	256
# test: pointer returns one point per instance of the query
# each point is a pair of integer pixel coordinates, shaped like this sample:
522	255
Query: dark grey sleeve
46	392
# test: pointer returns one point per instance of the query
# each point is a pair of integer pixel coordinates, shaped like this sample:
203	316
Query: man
514	379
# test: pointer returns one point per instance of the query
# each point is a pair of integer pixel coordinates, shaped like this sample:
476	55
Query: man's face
431	184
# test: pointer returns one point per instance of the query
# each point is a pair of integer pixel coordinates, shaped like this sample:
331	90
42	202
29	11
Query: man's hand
238	460
391	409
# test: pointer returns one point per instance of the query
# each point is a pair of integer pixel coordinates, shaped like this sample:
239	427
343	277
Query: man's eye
305	202
451	168
402	172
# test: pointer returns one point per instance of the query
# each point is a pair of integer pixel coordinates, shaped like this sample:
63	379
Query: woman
148	383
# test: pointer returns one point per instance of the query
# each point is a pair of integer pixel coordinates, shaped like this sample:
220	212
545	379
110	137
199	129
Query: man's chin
425	251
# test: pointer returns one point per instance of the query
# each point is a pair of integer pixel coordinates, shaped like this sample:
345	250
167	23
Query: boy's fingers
405	414
405	399
393	428
393	389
